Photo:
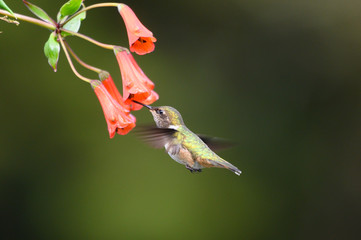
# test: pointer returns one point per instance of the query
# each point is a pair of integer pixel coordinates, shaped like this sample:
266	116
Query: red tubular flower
136	85
108	83
117	117
141	40
151	99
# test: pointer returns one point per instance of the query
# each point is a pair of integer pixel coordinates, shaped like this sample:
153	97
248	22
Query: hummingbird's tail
236	171
227	165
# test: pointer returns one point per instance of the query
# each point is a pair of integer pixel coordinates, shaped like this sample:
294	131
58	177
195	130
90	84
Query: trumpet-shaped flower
116	116
151	99
141	40
136	85
109	84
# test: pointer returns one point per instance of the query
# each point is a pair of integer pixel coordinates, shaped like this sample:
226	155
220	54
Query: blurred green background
281	78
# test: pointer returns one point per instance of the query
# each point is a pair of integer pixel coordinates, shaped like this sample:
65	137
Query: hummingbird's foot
190	168
193	169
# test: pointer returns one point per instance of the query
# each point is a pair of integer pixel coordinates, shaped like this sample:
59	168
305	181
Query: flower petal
143	45
113	91
151	99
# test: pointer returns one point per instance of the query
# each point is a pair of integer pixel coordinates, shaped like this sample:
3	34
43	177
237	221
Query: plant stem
103	45
71	63
8	20
53	27
81	62
98	5
29	19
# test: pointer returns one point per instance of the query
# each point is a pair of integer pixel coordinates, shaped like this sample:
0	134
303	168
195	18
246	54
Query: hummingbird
182	145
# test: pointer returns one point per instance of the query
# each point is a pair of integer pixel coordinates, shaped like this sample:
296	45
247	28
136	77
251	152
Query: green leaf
51	50
5	7
40	13
69	8
74	24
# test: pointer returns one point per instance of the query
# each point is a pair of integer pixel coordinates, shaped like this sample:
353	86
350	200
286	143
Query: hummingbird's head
165	116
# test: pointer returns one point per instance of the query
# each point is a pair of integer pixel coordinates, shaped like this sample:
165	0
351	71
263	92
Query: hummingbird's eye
159	111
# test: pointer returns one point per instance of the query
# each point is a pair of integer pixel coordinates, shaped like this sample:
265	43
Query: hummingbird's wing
216	144
159	137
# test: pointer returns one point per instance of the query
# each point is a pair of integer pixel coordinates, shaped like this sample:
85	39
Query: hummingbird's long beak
147	106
